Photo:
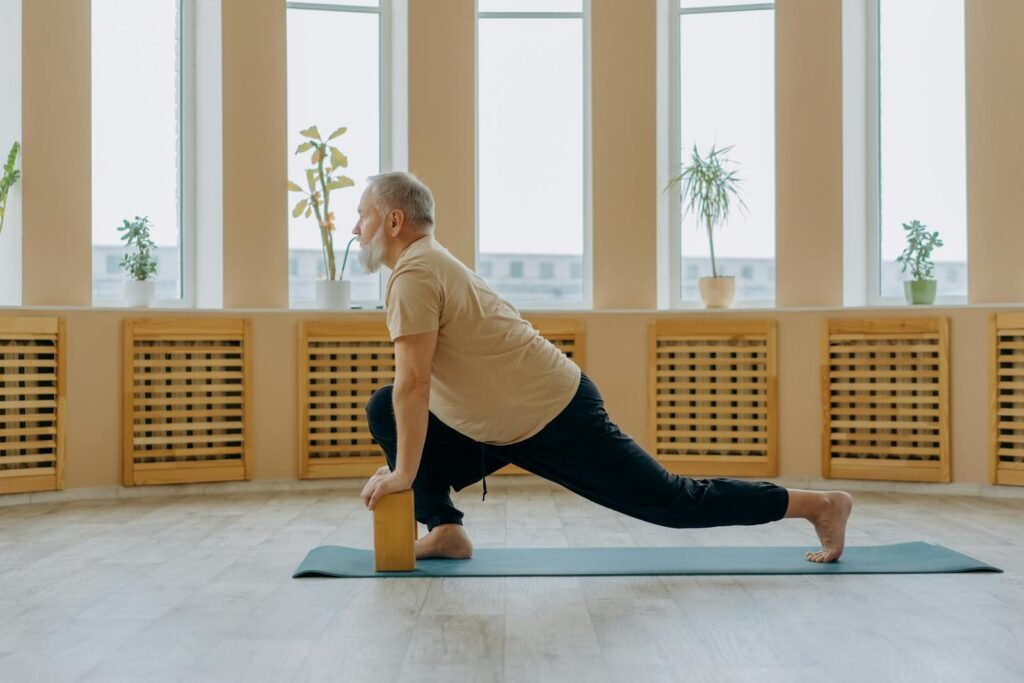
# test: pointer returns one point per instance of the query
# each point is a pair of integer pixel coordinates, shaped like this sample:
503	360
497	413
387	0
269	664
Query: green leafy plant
326	160
7	181
140	265
709	186
917	255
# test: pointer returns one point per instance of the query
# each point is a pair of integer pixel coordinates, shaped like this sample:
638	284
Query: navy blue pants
584	451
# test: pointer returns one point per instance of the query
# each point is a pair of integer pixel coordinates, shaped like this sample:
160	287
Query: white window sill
744	308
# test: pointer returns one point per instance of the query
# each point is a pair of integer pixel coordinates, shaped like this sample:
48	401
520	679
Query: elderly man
476	388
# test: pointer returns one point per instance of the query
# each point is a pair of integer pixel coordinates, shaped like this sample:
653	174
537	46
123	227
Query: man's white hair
408	194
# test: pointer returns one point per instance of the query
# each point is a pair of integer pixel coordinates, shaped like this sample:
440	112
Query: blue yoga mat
900	558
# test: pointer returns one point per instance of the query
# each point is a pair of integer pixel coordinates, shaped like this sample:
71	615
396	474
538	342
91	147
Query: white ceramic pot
139	293
717	292
333	295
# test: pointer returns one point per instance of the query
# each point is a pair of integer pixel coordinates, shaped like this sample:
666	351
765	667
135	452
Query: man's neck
400	249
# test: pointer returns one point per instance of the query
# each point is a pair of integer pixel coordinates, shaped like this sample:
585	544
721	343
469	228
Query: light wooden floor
198	589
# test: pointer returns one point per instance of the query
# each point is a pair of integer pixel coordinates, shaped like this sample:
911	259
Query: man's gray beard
370	256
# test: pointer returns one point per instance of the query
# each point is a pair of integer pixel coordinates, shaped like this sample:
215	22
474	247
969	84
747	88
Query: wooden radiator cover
885	397
1007	412
566	335
186	400
341	364
33	387
712	397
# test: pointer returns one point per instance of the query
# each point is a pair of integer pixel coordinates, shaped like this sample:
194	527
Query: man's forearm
412	404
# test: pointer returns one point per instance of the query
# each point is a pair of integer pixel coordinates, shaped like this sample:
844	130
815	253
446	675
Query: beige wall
255	148
995	150
442	115
616	352
441	99
625	191
808	153
57	161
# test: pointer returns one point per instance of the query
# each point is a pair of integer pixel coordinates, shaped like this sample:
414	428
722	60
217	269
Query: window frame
873	135
386	147
185	61
586	302
674	157
187	155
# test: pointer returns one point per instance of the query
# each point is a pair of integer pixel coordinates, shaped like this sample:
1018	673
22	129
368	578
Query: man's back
494	378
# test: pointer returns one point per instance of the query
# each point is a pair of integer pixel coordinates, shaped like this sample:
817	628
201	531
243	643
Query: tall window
10	130
921	143
138	88
726	97
336	78
532	148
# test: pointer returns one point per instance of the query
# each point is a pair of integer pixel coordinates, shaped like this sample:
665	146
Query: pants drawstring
483	469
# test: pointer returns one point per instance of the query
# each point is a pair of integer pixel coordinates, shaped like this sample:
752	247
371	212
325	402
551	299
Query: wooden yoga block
394	533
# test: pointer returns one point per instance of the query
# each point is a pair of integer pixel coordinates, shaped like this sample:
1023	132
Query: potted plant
334	292
709	186
140	288
917	256
7	180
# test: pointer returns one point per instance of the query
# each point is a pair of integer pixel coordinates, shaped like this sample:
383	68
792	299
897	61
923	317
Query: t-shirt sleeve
414	304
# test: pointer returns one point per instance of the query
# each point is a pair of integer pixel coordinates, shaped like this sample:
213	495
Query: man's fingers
375	497
368	489
384	487
379	486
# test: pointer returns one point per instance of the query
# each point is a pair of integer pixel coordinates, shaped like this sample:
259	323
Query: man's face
370	230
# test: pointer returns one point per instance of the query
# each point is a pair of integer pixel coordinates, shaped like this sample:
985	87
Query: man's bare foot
448	541
830	524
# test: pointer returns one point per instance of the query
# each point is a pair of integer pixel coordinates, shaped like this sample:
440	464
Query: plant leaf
299	208
340	182
311	179
304	147
338	160
311	132
316	157
292	187
340	131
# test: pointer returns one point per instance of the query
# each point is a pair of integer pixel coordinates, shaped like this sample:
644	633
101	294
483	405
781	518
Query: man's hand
383	482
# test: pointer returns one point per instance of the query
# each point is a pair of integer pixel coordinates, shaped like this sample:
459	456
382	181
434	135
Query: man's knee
379	409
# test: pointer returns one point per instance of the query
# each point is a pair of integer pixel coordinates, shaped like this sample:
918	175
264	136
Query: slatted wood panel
568	336
1007	412
341	364
712	390
186	401
885	397
32	404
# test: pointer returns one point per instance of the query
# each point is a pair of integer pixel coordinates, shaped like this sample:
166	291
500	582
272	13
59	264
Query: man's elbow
412	386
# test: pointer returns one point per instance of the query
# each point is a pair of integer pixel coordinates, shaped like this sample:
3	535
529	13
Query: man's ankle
805	504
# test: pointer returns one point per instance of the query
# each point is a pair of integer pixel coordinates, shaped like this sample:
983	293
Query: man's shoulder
436	261
410	275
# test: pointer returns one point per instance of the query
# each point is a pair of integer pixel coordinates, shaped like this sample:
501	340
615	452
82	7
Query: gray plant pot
919	291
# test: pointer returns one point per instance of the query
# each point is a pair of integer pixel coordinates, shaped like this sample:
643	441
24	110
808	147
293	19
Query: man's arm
414	356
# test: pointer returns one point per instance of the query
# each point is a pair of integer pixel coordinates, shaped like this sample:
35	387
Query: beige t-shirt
494	377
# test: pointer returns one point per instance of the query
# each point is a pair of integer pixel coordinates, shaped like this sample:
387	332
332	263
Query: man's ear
397	217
